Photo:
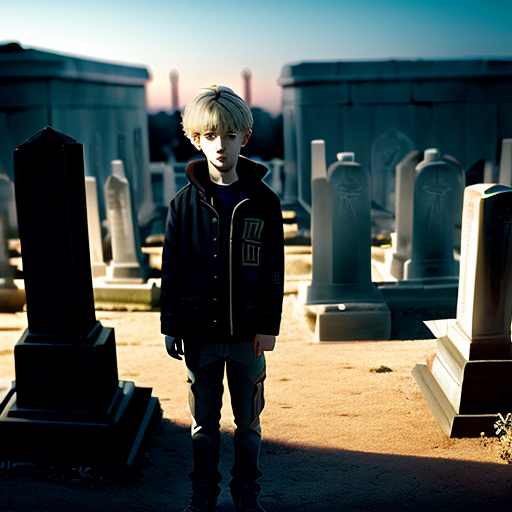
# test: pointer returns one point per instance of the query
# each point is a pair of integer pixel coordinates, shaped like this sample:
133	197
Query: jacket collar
248	171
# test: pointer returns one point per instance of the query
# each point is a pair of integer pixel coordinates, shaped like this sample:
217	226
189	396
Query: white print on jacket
252	242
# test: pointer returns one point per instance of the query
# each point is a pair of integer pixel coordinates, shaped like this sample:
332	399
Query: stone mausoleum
381	110
101	105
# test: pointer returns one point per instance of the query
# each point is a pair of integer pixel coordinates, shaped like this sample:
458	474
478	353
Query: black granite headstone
52	221
67	404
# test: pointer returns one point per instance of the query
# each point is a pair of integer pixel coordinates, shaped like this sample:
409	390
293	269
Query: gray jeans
245	375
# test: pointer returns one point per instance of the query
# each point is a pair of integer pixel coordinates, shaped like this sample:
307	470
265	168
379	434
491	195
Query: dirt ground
336	435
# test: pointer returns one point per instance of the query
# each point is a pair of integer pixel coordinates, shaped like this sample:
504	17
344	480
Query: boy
222	291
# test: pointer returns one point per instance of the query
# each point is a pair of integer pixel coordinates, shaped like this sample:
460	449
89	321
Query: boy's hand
174	347
263	342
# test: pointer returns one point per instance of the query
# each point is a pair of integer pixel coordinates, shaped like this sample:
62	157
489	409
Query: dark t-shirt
225	200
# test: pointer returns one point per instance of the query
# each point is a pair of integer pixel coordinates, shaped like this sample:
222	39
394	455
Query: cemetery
395	350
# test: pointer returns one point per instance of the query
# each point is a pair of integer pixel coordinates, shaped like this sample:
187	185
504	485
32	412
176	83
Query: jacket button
214	277
215	239
215	321
214	220
214	299
214	255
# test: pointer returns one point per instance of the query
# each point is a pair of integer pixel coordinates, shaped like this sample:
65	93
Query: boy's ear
246	138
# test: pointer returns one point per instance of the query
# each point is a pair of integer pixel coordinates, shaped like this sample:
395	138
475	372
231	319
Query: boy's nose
220	143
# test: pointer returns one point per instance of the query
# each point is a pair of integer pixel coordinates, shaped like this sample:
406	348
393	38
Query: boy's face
222	150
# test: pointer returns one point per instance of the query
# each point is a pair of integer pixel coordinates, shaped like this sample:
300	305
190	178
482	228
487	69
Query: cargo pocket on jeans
258	400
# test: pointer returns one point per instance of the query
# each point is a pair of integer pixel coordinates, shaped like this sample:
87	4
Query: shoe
203	498
246	499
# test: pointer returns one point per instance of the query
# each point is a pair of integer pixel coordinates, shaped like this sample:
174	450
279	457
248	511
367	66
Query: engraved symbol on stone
346	187
349	191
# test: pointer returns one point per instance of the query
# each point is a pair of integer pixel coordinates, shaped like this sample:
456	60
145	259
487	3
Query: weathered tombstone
126	252
470	379
505	177
405	176
352	307
99	269
321	221
276	181
7	203
6	270
11	297
67	404
438	192
386	152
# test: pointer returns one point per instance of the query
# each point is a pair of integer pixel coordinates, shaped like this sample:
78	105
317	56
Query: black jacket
191	308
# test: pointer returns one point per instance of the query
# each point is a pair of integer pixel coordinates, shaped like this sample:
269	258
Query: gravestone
386	152
505	177
405	176
99	269
12	299
6	270
276	180
321	221
67	405
8	204
469	380
126	252
438	192
351	307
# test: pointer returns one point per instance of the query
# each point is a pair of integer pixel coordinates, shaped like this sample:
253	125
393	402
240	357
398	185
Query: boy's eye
209	136
231	136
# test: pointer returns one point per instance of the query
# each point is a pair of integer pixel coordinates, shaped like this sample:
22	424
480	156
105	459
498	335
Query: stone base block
452	424
114	439
320	294
353	322
98	269
125	271
395	263
59	372
111	294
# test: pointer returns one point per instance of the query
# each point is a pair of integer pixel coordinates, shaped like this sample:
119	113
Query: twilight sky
210	42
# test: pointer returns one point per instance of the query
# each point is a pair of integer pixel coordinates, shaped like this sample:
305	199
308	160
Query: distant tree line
166	136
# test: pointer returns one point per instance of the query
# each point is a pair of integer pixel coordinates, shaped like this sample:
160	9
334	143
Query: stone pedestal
470	378
67	404
405	176
348	305
438	192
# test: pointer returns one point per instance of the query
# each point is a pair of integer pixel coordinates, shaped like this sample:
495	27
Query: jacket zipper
231	267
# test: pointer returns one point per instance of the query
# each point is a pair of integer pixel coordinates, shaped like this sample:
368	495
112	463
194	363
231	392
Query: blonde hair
216	108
